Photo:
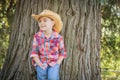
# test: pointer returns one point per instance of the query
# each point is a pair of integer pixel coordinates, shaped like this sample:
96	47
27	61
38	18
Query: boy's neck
48	33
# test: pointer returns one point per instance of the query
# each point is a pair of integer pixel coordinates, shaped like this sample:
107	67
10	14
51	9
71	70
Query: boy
48	49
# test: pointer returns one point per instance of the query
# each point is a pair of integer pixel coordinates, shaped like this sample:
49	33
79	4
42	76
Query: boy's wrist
40	64
58	62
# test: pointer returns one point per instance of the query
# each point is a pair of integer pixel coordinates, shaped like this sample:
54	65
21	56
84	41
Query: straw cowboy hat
54	16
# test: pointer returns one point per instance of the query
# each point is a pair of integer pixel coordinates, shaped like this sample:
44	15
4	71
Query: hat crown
50	13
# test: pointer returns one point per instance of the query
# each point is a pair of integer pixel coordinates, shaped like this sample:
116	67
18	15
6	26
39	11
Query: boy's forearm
60	59
37	61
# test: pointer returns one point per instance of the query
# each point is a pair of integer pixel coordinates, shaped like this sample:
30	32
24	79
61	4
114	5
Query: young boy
48	49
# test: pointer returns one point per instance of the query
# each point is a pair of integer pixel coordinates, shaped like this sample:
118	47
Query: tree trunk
81	32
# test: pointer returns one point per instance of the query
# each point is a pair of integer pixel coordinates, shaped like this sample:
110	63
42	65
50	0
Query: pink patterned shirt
47	50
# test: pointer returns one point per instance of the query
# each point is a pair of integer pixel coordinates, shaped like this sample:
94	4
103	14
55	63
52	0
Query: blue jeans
50	73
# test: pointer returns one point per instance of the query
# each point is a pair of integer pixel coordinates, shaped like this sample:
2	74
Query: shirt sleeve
62	50
34	51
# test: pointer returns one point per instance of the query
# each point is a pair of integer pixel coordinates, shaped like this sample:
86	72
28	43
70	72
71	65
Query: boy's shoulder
37	34
57	35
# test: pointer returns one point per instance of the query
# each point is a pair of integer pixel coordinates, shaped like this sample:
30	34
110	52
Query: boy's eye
39	21
45	20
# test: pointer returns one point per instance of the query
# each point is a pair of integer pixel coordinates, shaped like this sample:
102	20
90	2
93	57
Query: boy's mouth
43	26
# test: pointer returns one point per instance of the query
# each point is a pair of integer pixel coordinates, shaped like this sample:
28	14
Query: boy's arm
34	53
62	51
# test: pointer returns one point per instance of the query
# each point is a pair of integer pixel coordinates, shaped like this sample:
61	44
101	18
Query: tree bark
81	32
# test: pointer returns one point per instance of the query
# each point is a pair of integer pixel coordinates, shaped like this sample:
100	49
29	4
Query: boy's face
45	23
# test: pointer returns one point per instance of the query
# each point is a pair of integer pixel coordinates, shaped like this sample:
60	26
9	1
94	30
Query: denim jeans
50	73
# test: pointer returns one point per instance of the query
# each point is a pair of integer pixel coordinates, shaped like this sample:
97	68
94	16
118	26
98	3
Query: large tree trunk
81	33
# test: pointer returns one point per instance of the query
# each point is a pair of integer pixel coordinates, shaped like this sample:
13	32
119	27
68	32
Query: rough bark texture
81	33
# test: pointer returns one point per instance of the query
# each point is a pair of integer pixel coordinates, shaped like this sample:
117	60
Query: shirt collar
54	35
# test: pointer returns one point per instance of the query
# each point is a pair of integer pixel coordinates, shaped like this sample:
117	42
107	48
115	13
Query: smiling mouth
43	26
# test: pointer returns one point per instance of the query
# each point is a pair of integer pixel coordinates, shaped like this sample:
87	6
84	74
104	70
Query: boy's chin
43	29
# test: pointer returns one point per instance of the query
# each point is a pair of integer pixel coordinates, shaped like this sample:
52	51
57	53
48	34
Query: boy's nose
42	23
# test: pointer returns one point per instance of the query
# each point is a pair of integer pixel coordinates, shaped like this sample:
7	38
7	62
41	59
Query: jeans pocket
39	68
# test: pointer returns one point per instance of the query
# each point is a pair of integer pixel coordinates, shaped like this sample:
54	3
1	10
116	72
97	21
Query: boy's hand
44	66
58	62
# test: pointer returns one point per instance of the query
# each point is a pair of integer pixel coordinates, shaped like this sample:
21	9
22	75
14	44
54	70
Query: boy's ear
53	23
